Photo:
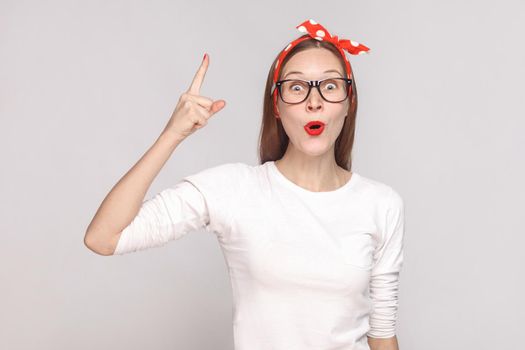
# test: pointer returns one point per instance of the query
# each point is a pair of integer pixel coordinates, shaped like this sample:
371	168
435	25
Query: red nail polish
204	56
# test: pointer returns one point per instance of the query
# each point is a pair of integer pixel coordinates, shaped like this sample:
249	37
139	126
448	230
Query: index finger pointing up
199	77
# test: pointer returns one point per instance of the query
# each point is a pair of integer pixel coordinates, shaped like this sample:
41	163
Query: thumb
217	106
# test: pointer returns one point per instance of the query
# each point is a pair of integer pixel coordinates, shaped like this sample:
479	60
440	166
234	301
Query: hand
193	111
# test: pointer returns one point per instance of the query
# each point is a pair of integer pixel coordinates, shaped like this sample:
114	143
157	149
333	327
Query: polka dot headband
318	32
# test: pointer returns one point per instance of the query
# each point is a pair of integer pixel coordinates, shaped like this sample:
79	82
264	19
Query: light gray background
86	88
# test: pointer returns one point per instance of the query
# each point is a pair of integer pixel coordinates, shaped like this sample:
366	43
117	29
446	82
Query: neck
315	173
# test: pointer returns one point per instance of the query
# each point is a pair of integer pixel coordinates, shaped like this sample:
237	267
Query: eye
297	86
332	85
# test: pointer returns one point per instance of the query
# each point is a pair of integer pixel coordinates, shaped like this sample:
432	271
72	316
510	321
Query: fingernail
204	56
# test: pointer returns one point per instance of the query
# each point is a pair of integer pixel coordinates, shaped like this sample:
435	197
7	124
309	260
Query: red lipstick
315	127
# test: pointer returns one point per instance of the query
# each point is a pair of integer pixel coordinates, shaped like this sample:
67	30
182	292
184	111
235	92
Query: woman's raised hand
193	110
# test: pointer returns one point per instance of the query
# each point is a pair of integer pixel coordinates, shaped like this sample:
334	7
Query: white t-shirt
308	270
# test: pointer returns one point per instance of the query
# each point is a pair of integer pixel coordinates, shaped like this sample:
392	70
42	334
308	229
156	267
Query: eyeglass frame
313	83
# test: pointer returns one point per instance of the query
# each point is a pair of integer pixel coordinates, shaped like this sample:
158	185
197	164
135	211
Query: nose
314	101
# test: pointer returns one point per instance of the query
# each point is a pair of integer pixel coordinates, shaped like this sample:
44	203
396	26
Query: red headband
318	32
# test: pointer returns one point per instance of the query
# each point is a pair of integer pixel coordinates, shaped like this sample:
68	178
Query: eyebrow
297	72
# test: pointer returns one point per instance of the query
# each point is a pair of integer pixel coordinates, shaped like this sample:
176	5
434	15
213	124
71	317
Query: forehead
313	62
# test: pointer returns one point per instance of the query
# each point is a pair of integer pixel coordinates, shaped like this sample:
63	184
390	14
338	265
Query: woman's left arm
384	278
383	343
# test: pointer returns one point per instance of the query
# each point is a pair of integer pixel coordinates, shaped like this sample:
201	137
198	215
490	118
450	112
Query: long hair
273	139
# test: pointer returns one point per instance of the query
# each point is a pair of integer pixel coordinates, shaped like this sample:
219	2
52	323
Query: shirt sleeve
203	200
169	215
384	281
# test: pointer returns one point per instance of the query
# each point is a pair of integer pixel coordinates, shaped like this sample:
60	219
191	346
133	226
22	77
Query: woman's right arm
123	202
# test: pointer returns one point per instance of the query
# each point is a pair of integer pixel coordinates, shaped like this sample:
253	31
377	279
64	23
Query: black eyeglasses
294	91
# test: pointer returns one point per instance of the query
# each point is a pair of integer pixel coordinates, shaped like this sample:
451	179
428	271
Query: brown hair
273	140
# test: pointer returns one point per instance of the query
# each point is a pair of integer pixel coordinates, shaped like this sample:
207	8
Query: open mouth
314	127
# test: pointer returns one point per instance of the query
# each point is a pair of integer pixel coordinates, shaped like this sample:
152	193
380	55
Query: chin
313	148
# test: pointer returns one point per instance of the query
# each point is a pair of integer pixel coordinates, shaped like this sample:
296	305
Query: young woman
313	249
